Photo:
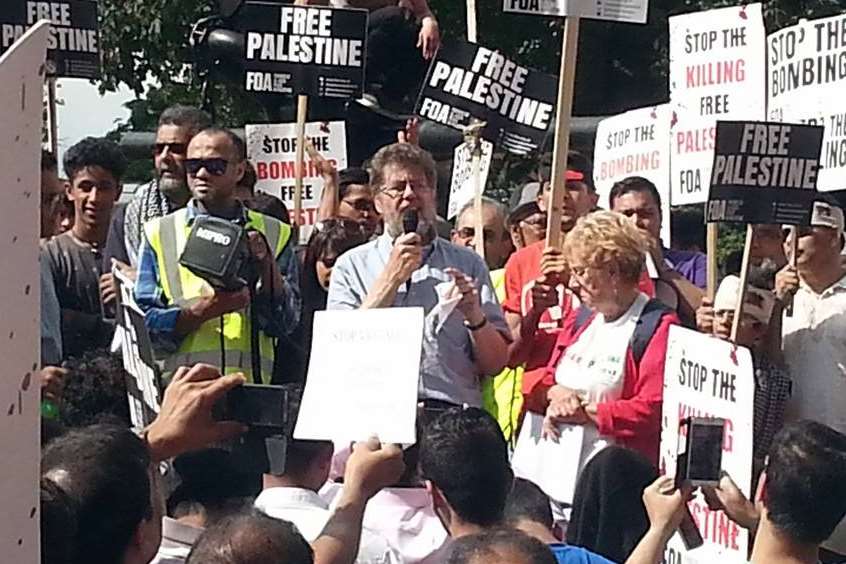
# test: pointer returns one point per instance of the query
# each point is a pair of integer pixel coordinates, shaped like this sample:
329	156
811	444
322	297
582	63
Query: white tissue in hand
448	298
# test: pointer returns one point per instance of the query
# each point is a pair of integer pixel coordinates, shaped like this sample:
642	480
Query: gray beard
174	189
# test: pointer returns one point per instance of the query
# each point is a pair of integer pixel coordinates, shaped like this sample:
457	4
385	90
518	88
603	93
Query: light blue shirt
448	368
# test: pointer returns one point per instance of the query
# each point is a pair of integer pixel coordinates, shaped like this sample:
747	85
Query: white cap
759	303
826	215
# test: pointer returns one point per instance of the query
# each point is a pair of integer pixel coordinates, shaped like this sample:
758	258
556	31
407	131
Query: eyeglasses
535	220
470	233
175	148
396	191
215	166
801	231
361	205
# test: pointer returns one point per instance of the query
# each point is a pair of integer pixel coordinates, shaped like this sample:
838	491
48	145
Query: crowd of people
545	340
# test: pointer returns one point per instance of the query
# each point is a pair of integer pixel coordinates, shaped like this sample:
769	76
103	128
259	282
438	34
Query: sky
84	112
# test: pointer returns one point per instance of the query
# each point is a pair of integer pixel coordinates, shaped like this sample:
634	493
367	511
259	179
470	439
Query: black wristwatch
478	326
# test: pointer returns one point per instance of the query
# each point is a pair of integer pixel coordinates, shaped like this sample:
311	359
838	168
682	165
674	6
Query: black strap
645	328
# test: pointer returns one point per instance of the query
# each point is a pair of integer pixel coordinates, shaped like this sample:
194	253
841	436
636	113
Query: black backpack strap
648	322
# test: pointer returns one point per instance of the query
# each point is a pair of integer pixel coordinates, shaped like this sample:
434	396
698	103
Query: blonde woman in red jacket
606	374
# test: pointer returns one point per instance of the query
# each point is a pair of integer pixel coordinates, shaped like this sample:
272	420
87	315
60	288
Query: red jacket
634	420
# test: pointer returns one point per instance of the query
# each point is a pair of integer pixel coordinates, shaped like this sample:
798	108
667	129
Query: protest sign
764	173
368	383
73	43
462	186
303	50
20	388
717	72
707	377
633	11
807	78
272	149
142	384
635	143
467	81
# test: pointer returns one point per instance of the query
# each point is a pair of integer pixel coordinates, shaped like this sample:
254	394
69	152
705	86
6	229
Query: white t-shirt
594	366
814	341
309	513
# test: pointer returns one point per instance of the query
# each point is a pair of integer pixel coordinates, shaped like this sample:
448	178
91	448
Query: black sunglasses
360	205
175	148
215	167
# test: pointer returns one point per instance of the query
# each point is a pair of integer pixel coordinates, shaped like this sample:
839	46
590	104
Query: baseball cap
758	303
353	176
524	202
825	214
579	169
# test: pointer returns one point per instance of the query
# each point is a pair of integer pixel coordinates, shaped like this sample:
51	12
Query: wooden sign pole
51	116
302	112
794	248
472	33
713	235
744	277
564	109
475	139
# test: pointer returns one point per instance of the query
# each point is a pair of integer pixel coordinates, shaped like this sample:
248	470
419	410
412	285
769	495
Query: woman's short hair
606	238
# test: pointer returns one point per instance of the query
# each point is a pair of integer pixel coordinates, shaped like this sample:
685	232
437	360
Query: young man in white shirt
293	497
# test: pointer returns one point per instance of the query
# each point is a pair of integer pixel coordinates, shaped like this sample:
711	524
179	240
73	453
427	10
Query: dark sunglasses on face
801	231
360	205
175	148
470	232
215	167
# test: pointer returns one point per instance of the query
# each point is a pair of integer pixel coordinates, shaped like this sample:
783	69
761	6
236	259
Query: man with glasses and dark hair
403	269
166	193
182	311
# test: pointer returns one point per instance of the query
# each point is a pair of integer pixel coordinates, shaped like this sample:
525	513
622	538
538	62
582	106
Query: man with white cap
814	333
772	382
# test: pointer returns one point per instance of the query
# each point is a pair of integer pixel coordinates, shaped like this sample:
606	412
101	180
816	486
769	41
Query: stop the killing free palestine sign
717	72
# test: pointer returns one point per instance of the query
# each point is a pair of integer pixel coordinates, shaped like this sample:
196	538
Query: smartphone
700	460
258	405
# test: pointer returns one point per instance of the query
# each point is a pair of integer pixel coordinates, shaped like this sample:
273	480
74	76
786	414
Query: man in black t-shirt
94	168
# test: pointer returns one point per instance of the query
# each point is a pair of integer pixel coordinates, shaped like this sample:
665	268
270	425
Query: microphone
410	222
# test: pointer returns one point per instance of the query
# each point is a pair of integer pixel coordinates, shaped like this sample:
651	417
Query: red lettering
714	73
695	141
261	170
715	526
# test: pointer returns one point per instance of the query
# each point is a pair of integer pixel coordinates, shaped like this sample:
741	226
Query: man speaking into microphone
405	266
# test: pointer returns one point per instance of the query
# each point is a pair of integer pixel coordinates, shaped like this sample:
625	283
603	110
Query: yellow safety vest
502	395
223	342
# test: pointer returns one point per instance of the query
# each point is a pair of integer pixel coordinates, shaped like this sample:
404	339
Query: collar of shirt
178	535
290	497
838	286
193	211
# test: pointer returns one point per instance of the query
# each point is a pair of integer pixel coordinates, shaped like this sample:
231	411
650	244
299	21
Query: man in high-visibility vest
188	318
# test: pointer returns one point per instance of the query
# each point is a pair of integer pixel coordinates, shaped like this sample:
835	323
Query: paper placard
635	143
143	388
20	388
73	45
807	78
272	149
363	375
764	173
462	186
308	50
632	11
708	377
467	81
717	72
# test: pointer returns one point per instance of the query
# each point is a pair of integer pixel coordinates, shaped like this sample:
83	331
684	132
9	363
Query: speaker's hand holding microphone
407	254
